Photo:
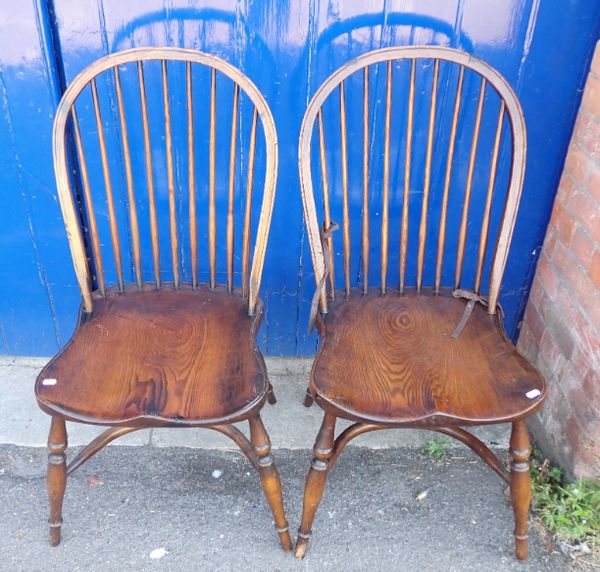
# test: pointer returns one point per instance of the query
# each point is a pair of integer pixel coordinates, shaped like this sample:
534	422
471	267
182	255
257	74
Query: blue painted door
287	48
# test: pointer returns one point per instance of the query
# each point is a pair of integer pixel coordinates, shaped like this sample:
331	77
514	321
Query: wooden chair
162	352
427	353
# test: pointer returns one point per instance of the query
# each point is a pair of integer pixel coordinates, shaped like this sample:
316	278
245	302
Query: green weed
570	511
435	449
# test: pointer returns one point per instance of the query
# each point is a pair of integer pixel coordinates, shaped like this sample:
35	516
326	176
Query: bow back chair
411	334
161	347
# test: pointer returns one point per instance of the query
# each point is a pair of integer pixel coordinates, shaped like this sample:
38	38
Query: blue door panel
288	49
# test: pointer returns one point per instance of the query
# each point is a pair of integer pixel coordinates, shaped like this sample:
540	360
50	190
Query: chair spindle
346	214
427	181
448	175
462	236
149	177
91	214
248	210
133	218
170	176
405	201
114	230
231	191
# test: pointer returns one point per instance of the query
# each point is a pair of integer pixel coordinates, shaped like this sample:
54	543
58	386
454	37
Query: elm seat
390	359
185	356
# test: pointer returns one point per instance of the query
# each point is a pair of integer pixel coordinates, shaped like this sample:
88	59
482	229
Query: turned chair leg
520	485
271	395
57	476
315	481
308	398
269	478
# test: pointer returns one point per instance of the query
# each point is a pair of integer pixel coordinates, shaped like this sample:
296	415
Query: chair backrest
421	113
166	155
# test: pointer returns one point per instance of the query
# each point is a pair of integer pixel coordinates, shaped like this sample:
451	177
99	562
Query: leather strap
314	306
473	299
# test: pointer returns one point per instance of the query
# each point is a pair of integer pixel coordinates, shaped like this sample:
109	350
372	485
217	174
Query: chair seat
391	359
167	357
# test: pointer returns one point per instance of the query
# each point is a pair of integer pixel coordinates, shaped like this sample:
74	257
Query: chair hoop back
509	105
251	278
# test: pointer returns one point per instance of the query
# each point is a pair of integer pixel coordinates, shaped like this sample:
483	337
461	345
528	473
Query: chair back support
430	159
162	143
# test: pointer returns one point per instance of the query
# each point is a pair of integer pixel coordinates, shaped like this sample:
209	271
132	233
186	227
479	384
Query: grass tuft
435	449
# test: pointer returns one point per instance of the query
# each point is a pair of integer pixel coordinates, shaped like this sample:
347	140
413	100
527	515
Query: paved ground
129	501
157	491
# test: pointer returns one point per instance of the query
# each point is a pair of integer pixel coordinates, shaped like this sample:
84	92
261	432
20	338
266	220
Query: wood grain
390	359
159	357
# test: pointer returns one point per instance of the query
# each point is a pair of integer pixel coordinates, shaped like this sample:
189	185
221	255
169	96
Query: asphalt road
204	510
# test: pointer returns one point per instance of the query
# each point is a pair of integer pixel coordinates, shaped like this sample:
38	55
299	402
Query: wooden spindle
212	216
444	209
248	210
326	207
407	161
191	174
385	219
91	215
170	176
485	225
133	219
365	205
462	235
149	177
427	181
114	230
346	214
231	192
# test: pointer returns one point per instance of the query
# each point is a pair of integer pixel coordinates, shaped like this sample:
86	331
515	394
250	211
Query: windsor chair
158	352
428	352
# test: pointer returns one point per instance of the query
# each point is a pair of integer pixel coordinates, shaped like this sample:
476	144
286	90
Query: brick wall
561	328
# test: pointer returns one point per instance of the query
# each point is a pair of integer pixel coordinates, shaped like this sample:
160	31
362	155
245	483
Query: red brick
590	386
591	96
587	134
594	269
577	166
595	67
549	242
551	353
576	284
566	189
563	223
582	247
593	187
586	211
548	277
534	321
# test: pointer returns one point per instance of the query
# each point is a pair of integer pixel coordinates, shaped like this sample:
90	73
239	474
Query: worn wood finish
390	360
368	369
57	476
520	484
150	357
164	353
315	481
269	478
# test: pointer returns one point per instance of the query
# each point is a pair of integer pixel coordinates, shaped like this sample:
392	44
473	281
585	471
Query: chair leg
308	399
271	395
57	476
269	478
520	485
315	481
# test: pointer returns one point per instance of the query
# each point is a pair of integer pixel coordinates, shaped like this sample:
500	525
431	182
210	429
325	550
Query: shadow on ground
129	501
